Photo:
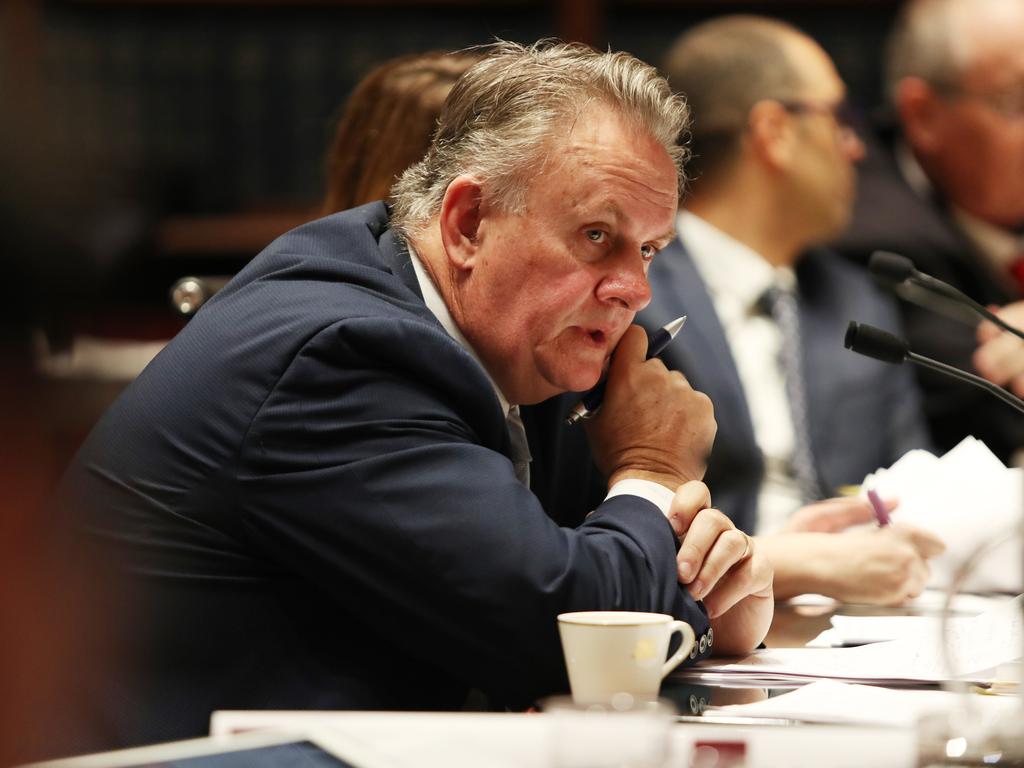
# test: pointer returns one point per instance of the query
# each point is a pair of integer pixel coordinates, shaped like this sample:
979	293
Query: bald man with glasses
773	175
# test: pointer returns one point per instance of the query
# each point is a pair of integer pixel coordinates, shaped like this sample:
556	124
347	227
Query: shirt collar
435	303
729	268
912	172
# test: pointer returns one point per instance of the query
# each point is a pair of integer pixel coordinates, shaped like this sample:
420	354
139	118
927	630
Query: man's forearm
796	559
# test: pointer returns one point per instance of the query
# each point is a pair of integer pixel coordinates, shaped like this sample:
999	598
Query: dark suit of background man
313	498
798	415
944	185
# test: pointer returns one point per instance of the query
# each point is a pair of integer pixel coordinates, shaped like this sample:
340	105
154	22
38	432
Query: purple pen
881	513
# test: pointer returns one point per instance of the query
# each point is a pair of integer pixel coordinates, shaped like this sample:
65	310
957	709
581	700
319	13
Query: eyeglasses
1009	102
841	112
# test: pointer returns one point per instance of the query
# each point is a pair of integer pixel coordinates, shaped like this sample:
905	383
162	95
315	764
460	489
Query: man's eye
647	252
597	235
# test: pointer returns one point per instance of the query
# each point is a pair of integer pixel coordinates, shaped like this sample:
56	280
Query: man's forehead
989	37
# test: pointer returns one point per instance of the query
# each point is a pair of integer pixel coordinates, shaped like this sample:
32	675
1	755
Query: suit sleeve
374	470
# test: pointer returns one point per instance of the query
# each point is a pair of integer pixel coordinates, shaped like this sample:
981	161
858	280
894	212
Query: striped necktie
520	449
782	305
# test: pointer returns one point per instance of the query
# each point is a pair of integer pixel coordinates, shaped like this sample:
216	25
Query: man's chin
579	380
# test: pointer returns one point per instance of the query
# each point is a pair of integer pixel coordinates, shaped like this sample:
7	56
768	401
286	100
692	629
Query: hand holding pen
653	425
656	343
878	507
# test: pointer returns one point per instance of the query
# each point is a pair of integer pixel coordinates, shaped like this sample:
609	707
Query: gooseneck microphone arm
956	373
881	345
895	269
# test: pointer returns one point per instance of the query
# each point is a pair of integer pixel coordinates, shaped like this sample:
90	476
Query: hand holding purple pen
881	513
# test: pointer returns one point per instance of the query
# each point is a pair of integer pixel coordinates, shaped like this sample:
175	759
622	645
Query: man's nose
853	147
626	285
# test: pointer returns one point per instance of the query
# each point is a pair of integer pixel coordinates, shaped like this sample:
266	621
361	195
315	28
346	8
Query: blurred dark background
210	109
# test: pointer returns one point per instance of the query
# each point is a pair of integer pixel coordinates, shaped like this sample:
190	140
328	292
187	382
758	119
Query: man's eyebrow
665	239
615	213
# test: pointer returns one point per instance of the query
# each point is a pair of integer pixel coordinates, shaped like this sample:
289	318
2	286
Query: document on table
929	601
968	498
828	701
977	645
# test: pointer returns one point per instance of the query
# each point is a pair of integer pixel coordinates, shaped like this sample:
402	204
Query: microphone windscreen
874	342
890	267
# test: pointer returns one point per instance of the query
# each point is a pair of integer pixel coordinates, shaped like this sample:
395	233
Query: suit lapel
702	351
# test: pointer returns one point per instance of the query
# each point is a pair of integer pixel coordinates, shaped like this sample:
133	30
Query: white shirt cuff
656	493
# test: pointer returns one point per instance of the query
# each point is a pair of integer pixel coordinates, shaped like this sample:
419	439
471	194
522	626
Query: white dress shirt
736	277
653	492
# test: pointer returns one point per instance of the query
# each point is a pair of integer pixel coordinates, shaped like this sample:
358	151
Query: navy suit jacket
891	216
862	414
306	501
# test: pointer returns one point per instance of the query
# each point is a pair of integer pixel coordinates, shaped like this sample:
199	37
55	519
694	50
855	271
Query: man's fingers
987	331
1000	359
832	515
632	347
844	512
729	547
698	541
926	543
744	579
690	498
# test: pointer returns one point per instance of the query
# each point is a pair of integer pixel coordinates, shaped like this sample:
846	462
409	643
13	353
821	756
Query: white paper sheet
976	646
827	701
968	498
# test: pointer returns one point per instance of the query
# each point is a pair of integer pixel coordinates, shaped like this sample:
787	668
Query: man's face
977	160
822	179
555	286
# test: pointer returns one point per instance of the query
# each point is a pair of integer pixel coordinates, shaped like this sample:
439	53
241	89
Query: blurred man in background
799	416
945	187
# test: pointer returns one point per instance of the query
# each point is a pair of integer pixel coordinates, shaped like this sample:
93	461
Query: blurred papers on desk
472	740
968	498
976	645
931	601
854	630
828	701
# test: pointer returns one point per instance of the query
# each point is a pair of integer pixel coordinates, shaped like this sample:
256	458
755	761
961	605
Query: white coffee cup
615	652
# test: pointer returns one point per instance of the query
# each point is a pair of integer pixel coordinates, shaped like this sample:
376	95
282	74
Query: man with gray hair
945	187
316	496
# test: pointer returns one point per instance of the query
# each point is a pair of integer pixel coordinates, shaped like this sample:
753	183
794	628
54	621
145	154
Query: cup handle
684	649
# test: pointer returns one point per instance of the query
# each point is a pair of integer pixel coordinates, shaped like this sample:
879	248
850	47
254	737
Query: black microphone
878	344
897	270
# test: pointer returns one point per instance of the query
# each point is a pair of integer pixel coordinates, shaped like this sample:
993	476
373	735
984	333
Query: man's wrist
656	493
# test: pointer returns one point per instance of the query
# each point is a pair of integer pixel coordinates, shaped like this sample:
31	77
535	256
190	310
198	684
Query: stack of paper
968	498
826	701
975	646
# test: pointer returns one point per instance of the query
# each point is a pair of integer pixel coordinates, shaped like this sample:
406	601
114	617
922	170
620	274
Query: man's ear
771	136
460	221
921	114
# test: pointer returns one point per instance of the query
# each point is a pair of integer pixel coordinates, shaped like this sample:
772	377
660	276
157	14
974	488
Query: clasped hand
718	563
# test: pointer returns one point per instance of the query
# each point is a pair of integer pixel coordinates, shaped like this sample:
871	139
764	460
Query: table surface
426	740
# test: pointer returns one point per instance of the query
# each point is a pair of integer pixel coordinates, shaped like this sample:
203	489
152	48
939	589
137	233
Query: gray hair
929	41
920	45
499	119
